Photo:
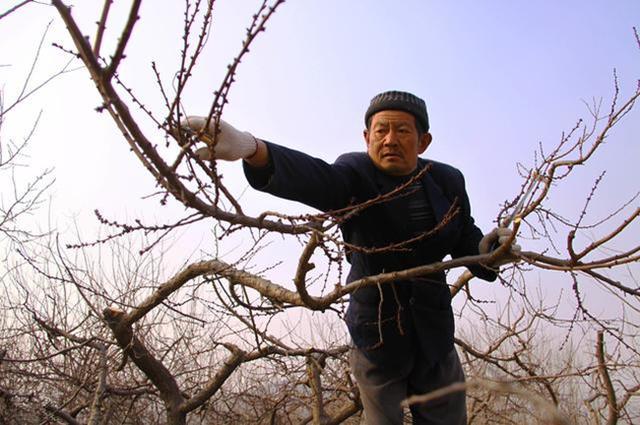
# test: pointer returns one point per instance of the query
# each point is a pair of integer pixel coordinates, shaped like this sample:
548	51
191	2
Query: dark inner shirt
421	216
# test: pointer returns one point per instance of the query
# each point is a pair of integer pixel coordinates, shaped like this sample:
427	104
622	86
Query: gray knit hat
401	101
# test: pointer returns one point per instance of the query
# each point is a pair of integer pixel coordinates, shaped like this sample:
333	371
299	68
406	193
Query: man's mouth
390	155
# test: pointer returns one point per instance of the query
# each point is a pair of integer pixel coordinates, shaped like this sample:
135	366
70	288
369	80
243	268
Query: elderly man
402	331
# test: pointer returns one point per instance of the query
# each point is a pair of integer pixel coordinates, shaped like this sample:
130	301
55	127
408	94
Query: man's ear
365	134
424	142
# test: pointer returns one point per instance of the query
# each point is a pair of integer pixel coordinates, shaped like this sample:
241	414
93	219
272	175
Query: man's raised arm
231	144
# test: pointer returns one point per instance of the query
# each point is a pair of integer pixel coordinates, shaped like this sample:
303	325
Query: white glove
231	143
497	237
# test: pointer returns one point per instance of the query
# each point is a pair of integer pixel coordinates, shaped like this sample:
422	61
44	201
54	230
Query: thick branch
279	293
612	405
313	378
229	366
304	266
153	368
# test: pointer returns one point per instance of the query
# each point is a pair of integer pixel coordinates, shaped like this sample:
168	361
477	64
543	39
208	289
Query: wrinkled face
393	142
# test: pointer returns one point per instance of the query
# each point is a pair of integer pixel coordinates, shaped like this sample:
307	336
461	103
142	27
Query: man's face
393	142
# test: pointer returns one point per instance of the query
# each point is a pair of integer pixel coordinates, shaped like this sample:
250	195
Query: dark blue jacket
414	315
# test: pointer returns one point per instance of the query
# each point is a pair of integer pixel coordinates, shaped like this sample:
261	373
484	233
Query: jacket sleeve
300	177
470	235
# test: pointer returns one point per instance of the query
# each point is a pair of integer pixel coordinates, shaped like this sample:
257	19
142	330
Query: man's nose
391	138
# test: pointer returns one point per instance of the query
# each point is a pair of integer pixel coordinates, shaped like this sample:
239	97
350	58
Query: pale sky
498	77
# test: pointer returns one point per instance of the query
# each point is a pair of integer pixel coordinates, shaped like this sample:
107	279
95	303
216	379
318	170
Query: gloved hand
231	143
494	239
